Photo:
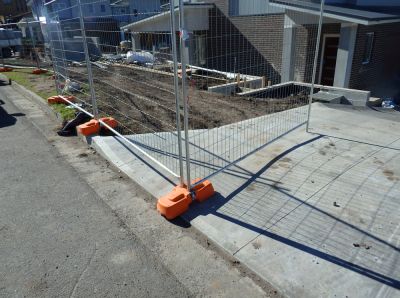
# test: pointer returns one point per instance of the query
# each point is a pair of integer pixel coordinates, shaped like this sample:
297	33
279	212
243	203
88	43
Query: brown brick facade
385	59
245	44
305	45
254	45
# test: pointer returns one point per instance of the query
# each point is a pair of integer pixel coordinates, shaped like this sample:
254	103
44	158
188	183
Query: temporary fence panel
23	45
68	54
207	82
118	72
249	68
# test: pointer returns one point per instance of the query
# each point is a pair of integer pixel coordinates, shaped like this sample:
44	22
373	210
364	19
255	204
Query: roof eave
338	16
166	13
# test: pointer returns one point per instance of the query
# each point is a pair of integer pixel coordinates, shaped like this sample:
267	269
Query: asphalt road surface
57	238
70	226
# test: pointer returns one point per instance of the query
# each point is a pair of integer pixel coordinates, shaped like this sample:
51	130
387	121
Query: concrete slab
328	97
316	214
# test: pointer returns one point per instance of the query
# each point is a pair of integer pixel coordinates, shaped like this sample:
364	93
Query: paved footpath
58	238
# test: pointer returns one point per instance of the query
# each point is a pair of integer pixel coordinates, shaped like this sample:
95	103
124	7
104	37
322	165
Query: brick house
277	39
359	43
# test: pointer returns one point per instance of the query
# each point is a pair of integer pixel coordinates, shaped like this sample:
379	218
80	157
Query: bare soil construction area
144	101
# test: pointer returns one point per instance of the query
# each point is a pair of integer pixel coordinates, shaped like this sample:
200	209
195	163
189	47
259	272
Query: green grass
21	77
24	78
66	113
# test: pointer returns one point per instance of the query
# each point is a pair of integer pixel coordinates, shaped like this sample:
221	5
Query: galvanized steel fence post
176	88
317	46
88	62
183	37
35	51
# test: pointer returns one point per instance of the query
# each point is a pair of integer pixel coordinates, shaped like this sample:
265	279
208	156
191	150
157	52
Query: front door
328	63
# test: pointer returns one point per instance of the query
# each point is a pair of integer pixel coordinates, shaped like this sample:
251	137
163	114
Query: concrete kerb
99	146
39	100
97	143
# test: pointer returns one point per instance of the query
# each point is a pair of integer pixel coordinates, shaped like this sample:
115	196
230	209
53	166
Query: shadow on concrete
142	160
7	119
229	167
213	206
5	82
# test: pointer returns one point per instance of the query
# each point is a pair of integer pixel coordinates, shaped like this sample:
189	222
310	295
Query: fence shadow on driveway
309	226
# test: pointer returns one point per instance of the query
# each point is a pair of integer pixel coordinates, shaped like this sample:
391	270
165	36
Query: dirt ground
145	102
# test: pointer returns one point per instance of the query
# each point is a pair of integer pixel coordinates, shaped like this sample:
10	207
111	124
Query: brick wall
305	42
384	65
247	44
254	44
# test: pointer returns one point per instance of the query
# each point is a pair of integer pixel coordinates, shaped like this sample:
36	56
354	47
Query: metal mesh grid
257	59
22	45
229	78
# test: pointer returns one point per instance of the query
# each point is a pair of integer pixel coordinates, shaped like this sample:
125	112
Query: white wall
252	7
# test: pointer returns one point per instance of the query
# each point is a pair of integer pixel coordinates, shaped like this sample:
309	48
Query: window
102	8
90	7
7	1
369	44
135	12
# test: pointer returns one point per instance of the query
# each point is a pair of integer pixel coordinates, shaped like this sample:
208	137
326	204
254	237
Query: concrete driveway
315	214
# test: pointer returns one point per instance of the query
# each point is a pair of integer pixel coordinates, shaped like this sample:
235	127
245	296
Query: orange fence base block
38	71
203	191
5	69
175	203
58	99
110	121
89	128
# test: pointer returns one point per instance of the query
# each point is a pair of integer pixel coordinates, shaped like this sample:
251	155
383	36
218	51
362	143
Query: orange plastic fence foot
5	69
58	99
110	121
39	71
175	203
89	128
203	190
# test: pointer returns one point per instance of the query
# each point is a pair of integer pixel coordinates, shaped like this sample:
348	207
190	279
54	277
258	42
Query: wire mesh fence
23	45
110	75
196	86
248	77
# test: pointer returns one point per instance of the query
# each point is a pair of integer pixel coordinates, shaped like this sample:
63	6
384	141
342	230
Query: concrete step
328	97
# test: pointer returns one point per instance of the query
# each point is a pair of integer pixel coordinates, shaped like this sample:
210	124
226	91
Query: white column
344	61
287	72
135	41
